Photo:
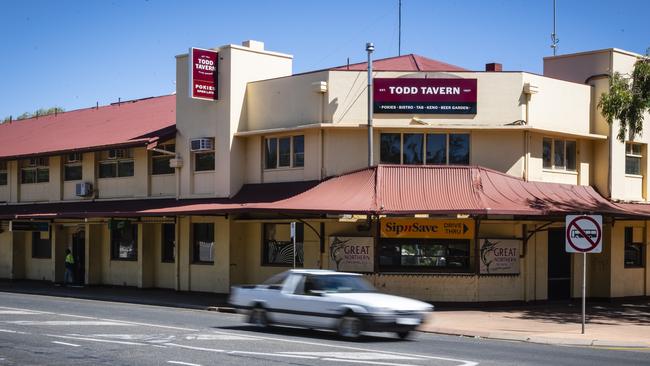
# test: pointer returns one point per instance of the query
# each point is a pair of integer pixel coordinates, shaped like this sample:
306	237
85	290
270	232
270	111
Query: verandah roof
384	189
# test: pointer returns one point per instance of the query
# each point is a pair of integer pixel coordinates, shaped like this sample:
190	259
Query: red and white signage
584	233
424	96
203	74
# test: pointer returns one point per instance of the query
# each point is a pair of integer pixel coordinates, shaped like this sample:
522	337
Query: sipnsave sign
424	96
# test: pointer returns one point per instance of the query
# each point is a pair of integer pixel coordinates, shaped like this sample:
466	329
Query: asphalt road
41	330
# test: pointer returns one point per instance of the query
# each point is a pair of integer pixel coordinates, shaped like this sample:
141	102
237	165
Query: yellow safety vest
69	259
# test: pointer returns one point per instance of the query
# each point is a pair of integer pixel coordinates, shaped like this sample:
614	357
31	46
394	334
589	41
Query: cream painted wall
163	185
577	67
498	150
345	151
583	162
310	171
625	281
221	119
94	253
36	268
163	273
558	105
50	191
205	277
286	102
6	254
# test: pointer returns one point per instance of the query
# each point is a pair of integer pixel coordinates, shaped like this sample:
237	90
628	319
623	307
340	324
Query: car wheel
404	334
350	326
258	317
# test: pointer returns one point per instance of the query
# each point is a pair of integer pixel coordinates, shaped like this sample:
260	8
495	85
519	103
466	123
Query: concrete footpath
617	324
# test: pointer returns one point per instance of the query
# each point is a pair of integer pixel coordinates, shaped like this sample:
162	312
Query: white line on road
367	362
67	344
66	322
12	331
183	363
98	340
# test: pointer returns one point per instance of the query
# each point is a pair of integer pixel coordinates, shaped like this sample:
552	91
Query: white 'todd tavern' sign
352	254
500	256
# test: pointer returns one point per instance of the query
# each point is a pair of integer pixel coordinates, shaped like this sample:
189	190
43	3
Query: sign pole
584	289
293	240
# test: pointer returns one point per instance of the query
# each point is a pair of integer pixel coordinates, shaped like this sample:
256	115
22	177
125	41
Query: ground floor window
168	242
124	240
424	254
41	248
203	243
634	247
277	247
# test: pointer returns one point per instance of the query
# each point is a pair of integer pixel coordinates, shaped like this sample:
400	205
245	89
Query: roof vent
253	45
493	67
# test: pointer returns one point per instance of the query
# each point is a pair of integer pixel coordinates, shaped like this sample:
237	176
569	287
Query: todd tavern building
472	175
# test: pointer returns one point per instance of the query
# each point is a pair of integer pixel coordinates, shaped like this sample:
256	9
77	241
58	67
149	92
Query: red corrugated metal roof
401	189
386	189
408	62
129	123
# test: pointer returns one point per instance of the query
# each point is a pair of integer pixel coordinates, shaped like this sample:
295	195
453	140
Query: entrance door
79	254
559	267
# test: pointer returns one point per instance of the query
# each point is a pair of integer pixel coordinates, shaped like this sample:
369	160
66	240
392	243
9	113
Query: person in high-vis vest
69	267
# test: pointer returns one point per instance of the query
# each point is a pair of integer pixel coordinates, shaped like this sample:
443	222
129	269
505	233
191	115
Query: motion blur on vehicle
323	299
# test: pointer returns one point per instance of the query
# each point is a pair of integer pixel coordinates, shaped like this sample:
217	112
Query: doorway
79	254
559	266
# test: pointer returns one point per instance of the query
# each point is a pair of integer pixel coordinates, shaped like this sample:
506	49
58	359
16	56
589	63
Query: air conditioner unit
117	154
202	144
83	189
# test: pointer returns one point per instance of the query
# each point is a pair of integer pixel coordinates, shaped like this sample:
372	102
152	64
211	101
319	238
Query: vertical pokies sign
203	74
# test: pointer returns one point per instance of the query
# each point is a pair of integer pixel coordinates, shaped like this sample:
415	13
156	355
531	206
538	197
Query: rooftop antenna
554	39
399	30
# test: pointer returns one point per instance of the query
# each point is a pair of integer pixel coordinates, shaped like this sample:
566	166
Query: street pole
584	289
293	240
370	48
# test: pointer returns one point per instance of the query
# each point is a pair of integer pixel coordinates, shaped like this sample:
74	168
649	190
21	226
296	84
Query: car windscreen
338	284
277	280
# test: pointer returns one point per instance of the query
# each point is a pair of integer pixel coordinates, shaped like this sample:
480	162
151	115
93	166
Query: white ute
323	299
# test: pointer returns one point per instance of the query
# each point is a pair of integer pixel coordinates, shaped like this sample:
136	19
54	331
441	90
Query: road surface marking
461	362
271	354
66	344
216	337
367	362
18	312
98	340
355	355
12	331
66	322
183	363
196	348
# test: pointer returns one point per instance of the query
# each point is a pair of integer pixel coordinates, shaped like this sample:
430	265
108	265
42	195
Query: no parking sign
584	233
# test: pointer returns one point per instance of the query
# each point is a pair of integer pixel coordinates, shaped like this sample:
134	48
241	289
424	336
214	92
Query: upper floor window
284	152
160	161
35	170
559	154
3	173
634	247
633	157
419	148
116	163
72	169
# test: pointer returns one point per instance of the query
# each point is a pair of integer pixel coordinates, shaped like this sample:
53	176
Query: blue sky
73	54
